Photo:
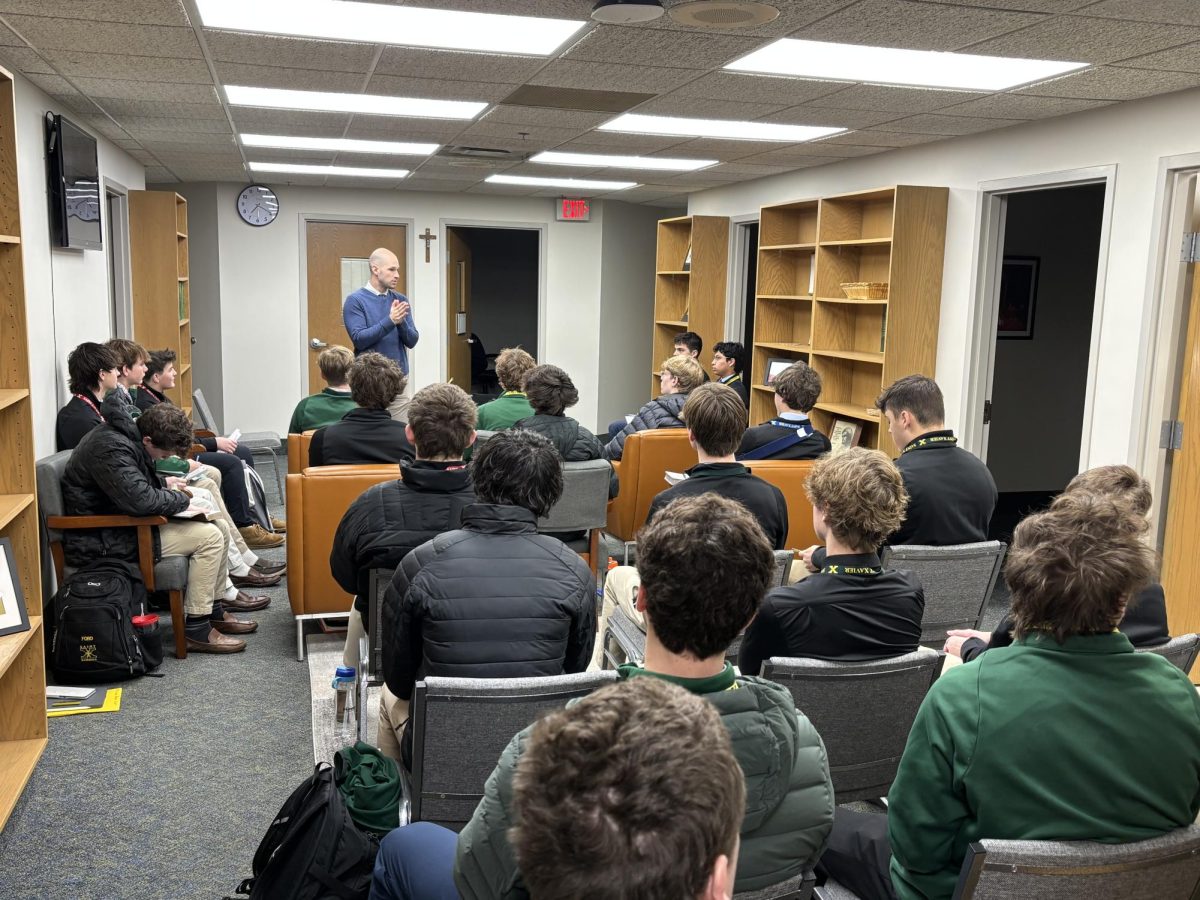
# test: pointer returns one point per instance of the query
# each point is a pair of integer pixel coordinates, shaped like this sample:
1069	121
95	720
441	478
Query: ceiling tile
51	84
386	128
502	190
842	118
793	14
1176	12
286	121
210	172
538	170
1022	106
694	107
612	142
432	88
416	183
8	38
509	137
23	60
897	100
107	37
1112	83
612	77
183	156
713	148
294	53
1178	59
117	108
414	62
159	175
758	88
1038	6
647	46
917	26
312	157
149	12
294	79
536	115
134	68
882	139
171	92
932	123
180	142
154	128
553	9
1087	39
787	156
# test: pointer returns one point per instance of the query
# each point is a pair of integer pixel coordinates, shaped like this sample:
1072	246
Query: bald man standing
379	318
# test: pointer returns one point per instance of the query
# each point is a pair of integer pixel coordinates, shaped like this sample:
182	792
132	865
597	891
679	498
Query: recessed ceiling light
366	104
581	184
377	23
718	128
340	145
889	65
306	169
661	163
626	12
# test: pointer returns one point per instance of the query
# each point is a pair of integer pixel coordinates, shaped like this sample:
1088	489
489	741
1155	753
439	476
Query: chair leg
275	469
177	624
299	639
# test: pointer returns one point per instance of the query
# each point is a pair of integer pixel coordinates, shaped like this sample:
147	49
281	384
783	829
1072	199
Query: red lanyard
94	407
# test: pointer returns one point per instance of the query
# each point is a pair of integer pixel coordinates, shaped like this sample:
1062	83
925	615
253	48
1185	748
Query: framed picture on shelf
13	617
1018	298
775	365
844	435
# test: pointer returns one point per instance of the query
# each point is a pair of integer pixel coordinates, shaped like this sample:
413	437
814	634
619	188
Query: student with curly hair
512	365
790	435
368	433
853	609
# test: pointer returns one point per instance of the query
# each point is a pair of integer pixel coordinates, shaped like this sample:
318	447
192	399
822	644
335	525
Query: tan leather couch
298	452
789	476
317	498
648	456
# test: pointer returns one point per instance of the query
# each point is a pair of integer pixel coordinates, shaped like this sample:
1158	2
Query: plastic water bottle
344	706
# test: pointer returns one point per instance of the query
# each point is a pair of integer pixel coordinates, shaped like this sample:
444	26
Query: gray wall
504	286
1039	386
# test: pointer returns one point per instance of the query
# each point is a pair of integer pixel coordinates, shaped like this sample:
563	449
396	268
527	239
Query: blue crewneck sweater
367	318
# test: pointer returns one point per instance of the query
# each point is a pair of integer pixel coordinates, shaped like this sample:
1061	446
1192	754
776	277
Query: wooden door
337	253
1181	565
458	310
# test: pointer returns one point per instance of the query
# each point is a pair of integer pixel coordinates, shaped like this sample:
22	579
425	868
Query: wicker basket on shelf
865	290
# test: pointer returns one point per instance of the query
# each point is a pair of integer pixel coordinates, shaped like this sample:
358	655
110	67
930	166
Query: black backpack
94	640
313	850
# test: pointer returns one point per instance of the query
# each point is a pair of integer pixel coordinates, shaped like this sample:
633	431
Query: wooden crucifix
427	237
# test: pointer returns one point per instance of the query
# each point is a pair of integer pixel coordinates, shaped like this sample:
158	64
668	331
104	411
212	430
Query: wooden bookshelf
162	305
691	299
22	665
807	250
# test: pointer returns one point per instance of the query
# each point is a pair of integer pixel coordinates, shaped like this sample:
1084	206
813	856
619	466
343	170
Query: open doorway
1042	325
748	253
492	301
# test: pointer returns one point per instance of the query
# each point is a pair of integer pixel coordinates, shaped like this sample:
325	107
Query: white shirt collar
371	288
793	415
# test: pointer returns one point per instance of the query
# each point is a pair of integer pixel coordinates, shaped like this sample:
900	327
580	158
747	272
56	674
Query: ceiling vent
723	14
478	157
548	97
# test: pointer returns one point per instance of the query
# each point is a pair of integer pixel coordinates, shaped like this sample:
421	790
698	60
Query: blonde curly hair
861	494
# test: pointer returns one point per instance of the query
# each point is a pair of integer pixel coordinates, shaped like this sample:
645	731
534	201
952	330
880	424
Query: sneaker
258	538
278	525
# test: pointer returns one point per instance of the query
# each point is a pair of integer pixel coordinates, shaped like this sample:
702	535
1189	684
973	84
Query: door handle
317	344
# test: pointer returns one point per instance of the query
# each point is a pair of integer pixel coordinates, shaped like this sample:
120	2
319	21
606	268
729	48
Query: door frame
985	291
120	285
338	219
735	318
542	228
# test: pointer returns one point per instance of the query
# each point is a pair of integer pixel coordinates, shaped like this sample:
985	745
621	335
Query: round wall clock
258	205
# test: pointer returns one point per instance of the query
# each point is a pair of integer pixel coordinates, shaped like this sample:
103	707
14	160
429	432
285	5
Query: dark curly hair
550	390
168	427
518	468
375	380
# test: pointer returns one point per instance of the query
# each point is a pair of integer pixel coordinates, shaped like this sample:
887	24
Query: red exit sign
573	210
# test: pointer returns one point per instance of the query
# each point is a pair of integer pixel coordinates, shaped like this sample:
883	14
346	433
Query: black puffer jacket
494	599
110	473
573	442
388	520
661	412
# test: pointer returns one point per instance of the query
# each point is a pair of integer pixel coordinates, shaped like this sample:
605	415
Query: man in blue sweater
379	318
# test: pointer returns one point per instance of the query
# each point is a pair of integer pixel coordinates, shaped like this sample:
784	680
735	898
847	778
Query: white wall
66	291
262	290
1133	136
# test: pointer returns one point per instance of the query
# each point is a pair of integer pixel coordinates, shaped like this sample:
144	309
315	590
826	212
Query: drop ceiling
147	75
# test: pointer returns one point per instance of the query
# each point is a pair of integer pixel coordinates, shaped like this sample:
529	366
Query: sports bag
257	494
94	639
313	850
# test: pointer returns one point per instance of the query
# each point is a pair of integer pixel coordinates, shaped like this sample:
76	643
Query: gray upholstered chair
1181	651
460	726
372	663
958	582
798	888
862	710
169	574
582	507
254	441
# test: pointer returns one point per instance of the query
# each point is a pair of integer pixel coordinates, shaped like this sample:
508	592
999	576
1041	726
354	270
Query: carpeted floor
324	656
168	798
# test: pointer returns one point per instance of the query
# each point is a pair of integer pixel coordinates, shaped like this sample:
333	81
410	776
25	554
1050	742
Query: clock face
258	205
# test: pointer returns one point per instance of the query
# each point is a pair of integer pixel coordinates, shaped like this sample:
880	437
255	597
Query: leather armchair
648	456
789	476
297	451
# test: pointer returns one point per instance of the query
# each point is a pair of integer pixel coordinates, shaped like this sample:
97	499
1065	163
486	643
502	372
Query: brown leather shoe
254	579
244	602
278	525
216	643
233	625
264	567
258	538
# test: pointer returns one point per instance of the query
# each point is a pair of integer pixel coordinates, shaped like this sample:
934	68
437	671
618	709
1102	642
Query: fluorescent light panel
582	184
376	23
340	145
718	128
889	65
364	104
307	169
659	163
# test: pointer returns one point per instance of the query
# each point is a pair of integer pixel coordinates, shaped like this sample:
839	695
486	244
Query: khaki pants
393	714
398	408
203	543
354	631
620	589
240	557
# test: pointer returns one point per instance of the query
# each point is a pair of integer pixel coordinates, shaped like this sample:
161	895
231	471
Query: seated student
550	393
853	609
729	359
222	453
388	520
1066	735
678	376
688	344
132	360
512	365
112	472
494	599
951	493
367	434
705	564
92	371
334	401
790	435
1145	620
